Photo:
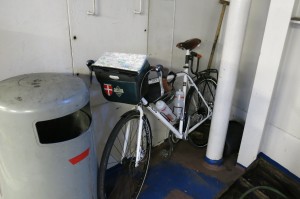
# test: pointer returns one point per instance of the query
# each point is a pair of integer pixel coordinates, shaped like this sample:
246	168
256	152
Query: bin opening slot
64	128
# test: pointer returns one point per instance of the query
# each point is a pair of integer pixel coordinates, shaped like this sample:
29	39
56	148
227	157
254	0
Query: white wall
197	19
34	37
265	78
114	28
174	21
249	59
281	140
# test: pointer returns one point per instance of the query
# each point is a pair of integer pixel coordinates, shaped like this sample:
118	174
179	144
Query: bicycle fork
138	137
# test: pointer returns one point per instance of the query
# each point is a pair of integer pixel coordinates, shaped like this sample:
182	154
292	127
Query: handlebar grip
89	64
159	68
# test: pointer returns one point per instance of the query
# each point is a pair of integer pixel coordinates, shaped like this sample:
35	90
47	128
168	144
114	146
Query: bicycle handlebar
194	54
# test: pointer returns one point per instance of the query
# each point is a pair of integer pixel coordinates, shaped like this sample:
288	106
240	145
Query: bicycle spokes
121	177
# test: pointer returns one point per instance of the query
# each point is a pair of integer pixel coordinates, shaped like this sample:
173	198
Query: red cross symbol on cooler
108	89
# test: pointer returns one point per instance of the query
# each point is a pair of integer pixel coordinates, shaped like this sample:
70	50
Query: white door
115	27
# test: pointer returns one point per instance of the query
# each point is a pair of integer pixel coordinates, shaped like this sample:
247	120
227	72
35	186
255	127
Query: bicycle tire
196	109
120	179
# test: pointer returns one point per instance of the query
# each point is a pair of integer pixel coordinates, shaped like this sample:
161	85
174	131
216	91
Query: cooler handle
114	77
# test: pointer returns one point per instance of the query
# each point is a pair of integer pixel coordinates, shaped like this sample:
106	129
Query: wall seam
172	44
148	19
70	36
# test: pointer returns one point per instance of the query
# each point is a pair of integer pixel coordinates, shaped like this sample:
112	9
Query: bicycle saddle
189	44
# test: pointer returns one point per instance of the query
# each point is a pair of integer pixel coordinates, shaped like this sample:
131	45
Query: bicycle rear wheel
196	109
118	176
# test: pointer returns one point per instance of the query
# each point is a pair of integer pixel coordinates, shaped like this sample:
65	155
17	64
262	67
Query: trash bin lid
42	92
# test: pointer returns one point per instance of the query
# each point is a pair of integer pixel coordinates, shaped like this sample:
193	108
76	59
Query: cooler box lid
123	61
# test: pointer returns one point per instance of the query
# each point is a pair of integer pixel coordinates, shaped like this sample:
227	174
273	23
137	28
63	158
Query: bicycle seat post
187	58
184	86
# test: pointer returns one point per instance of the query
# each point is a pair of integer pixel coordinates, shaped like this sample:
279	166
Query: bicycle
126	156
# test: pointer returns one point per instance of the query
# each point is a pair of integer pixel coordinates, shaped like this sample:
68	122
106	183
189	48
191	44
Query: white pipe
233	43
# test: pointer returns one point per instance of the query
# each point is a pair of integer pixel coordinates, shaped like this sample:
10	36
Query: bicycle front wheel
118	177
196	109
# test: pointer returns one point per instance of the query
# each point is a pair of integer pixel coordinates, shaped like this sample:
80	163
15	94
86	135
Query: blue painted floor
168	176
186	176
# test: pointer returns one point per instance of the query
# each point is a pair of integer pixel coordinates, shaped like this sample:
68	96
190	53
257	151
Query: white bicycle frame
187	82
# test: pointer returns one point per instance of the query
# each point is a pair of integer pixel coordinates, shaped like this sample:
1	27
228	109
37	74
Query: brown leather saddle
189	44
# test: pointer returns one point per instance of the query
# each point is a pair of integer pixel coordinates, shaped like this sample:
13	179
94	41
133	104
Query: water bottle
165	110
178	103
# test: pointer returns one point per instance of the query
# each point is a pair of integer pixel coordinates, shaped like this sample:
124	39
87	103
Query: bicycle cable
193	54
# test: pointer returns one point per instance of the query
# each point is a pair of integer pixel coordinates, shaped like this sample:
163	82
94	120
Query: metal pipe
233	43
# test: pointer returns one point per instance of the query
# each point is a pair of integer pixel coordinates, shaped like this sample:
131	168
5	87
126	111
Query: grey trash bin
46	138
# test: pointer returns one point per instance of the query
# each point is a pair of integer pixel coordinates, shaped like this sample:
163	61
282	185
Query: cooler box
123	77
